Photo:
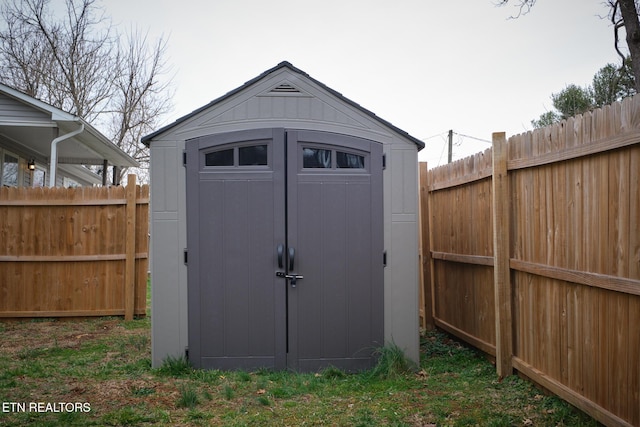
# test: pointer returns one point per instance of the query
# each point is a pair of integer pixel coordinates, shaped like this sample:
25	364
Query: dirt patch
21	336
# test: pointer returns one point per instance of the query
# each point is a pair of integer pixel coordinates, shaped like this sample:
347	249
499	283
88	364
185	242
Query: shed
284	230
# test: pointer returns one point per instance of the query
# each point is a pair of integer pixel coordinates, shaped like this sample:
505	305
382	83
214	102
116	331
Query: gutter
54	152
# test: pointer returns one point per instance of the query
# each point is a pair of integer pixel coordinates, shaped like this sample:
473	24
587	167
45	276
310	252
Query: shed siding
401	293
168	230
271	108
402	245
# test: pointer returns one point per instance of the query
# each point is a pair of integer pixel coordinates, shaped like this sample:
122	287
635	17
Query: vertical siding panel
291	107
317	109
304	108
253	108
264	108
397	181
277	107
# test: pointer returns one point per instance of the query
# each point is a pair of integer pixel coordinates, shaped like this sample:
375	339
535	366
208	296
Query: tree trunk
632	28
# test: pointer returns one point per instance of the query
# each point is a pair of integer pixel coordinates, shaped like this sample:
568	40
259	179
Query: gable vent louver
284	88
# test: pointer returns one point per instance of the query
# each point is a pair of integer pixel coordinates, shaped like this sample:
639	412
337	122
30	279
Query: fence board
64	254
502	283
426	261
573	255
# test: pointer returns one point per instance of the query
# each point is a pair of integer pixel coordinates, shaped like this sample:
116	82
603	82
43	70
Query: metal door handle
280	256
292	277
292	255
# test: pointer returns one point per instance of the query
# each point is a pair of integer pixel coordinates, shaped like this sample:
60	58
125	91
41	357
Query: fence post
502	282
425	249
130	247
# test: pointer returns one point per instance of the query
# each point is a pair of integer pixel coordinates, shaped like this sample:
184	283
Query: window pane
38	178
10	171
350	161
253	155
219	158
316	158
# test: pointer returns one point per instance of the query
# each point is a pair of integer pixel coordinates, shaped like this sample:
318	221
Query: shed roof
285	64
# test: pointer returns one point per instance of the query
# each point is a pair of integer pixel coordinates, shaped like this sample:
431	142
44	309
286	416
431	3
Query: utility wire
473	137
459	134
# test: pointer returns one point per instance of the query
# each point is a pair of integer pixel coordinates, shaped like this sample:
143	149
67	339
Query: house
284	230
41	145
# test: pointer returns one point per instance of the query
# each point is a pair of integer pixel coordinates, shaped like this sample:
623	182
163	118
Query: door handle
292	256
280	256
292	277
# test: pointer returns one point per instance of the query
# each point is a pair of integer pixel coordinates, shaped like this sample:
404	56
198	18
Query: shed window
316	158
252	155
219	158
349	161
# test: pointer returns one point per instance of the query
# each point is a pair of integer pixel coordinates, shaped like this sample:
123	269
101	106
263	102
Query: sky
426	66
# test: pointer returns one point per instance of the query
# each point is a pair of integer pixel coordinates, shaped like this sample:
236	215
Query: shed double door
285	250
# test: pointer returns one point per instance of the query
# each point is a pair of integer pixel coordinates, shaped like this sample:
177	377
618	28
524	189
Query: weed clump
188	397
175	367
392	363
333	373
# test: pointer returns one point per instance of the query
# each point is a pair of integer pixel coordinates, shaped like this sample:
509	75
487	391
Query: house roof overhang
34	127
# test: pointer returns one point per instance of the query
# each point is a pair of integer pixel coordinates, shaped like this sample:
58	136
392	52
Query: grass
106	363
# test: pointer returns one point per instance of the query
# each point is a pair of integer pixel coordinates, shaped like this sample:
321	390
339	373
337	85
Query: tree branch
524	7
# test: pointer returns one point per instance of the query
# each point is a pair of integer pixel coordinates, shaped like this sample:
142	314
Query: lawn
98	372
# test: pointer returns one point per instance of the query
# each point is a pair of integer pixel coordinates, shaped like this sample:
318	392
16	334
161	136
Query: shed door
285	250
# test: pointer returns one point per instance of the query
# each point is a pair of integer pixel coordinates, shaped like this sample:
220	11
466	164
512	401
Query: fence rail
532	254
67	252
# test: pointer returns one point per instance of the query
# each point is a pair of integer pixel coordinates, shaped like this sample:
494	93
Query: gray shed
284	230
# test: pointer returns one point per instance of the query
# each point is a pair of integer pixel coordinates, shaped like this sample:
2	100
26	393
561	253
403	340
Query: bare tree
623	14
139	99
77	61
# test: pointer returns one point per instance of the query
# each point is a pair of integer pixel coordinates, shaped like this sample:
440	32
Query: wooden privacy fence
532	254
74	251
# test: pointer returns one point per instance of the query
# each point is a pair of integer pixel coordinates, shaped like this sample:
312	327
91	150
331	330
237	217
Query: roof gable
276	95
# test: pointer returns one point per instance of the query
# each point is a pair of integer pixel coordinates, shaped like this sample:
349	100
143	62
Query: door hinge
384	161
384	258
186	256
184	157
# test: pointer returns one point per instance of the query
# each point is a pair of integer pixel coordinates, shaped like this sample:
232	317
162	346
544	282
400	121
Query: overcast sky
426	66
